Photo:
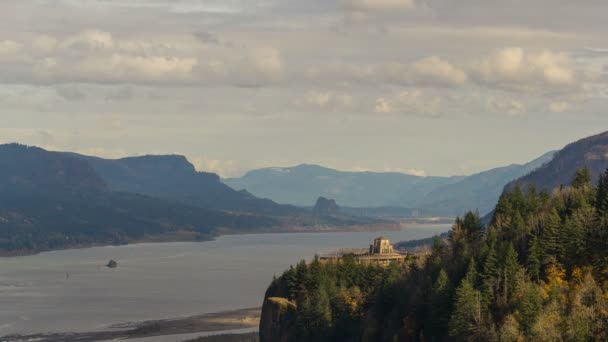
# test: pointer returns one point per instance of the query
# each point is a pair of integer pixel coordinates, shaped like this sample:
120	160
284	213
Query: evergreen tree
534	259
510	269
440	306
549	239
490	266
582	179
466	319
601	201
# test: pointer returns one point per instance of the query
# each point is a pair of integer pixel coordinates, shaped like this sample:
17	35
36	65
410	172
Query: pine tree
534	261
601	200
441	306
471	275
510	269
490	266
549	240
582	179
466	320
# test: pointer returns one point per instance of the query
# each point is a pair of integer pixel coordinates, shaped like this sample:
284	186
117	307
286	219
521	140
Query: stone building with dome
380	252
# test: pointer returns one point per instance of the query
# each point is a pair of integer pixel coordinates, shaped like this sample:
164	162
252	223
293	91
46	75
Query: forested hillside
590	152
538	272
50	200
174	177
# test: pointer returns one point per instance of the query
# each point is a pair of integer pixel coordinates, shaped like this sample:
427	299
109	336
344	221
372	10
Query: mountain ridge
303	183
590	152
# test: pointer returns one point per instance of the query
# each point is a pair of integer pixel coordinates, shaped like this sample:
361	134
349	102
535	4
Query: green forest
537	272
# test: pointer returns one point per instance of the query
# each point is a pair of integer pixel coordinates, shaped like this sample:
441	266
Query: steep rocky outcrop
278	320
326	207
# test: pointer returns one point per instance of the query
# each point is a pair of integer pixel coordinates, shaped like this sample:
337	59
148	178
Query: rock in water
112	264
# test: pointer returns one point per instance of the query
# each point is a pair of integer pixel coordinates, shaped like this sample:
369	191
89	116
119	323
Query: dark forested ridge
51	200
538	272
174	177
591	153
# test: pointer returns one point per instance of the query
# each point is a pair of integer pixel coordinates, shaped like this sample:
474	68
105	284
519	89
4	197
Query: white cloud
383	106
413	102
95	56
330	100
415	172
525	70
224	168
412	172
268	61
506	106
9	51
559	107
70	93
432	71
90	39
378	5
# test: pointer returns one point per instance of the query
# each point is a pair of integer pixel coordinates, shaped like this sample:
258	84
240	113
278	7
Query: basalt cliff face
278	319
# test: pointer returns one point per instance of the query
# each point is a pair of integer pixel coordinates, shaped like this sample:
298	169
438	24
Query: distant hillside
441	196
479	191
173	177
303	184
591	152
50	200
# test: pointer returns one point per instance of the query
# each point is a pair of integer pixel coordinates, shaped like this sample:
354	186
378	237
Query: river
71	290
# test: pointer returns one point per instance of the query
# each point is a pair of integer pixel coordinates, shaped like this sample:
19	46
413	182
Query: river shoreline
195	237
205	323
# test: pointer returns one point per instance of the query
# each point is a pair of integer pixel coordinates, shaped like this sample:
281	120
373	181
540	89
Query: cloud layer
243	83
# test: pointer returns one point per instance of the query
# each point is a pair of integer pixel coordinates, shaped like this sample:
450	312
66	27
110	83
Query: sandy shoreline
221	321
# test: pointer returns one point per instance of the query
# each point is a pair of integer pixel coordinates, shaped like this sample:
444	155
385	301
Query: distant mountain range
51	200
442	196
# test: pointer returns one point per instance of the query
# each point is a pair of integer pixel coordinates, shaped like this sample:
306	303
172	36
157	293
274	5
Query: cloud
412	172
514	69
559	107
517	68
415	172
506	106
378	5
431	71
206	37
9	51
95	56
383	106
412	102
268	61
70	93
122	93
329	100
224	168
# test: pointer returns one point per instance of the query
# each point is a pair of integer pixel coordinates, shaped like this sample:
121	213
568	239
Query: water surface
71	290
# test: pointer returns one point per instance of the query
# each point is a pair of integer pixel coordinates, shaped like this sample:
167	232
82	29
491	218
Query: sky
425	87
